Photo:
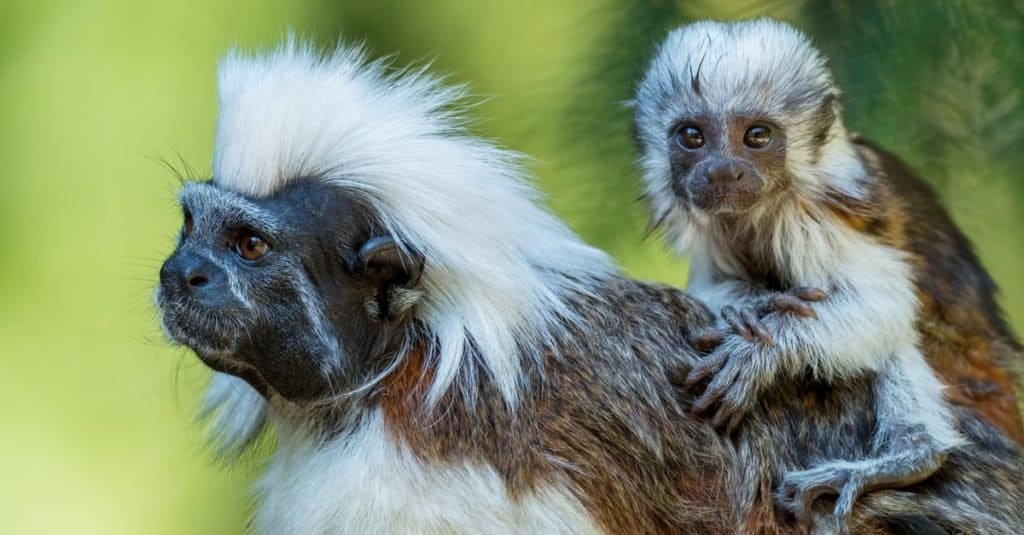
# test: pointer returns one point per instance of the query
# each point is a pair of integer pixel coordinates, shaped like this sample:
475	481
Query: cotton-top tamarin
827	257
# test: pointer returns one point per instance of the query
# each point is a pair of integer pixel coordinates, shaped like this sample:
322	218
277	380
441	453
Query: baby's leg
915	430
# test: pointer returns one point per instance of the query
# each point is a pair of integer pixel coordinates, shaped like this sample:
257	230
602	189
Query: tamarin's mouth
722	199
204	332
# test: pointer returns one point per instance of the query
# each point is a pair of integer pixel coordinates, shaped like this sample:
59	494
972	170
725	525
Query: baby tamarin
748	166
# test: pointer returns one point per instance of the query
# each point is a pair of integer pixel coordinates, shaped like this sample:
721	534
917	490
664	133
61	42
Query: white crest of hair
762	67
369	483
497	264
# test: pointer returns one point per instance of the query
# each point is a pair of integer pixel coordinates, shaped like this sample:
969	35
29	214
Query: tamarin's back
610	422
963	333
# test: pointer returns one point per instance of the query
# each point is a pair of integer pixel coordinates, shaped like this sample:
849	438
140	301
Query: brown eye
251	247
758	137
186	229
690	137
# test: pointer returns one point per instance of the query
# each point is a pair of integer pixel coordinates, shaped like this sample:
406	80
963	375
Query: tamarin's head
733	117
296	292
350	220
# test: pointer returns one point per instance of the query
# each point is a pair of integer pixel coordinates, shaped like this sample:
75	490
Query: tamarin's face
289	292
723	164
733	117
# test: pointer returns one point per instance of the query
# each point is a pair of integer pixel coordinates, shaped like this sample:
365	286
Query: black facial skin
275	290
726	166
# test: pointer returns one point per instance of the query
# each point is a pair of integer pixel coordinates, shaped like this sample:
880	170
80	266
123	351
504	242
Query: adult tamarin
439	354
385	291
748	167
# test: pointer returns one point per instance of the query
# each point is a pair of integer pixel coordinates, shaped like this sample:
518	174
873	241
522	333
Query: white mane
757	66
496	261
753	65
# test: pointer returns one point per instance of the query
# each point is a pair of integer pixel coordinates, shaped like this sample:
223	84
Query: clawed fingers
796	301
809	294
746	323
716	389
725	397
754	324
707	368
793	305
735	320
706	341
801	490
728	418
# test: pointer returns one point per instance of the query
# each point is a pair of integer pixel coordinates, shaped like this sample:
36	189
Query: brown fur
637	461
963	334
607	418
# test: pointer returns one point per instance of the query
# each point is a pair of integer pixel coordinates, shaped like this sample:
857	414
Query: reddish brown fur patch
969	365
964	337
402	393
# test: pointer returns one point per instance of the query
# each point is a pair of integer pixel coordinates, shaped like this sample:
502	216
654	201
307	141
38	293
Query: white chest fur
365	483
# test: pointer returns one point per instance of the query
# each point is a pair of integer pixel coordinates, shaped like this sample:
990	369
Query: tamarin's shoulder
622	300
906	195
892	200
903	211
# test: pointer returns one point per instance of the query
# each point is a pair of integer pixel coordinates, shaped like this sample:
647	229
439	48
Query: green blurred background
97	410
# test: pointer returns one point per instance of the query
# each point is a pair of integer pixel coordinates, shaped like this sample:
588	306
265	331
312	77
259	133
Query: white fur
909	392
367	483
737	66
394	139
314	308
872	304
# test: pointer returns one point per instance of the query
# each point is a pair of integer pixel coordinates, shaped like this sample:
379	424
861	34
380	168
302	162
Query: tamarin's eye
251	247
758	137
186	229
690	137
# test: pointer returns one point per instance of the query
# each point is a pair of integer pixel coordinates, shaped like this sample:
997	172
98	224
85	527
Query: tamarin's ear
393	275
382	261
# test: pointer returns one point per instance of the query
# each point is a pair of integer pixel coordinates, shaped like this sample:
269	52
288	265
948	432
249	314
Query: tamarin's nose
197	273
192	272
724	174
196	276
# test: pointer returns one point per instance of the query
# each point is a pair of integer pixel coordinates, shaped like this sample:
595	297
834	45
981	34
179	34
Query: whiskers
209	333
